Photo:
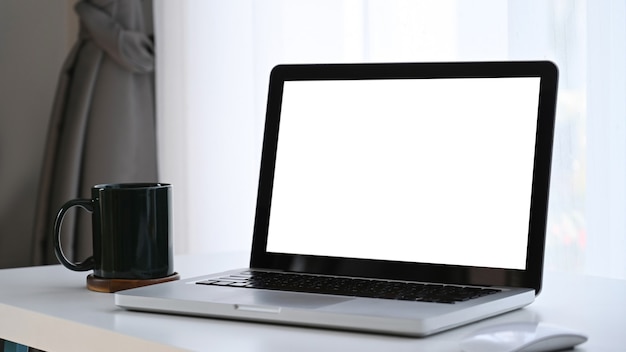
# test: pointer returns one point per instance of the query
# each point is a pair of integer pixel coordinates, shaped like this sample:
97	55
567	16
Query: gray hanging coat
102	127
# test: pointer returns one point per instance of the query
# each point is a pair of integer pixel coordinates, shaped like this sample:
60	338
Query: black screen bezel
531	277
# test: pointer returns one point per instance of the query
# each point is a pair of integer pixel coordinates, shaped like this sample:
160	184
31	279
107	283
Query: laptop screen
417	171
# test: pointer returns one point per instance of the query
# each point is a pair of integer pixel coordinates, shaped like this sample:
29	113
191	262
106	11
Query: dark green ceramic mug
131	231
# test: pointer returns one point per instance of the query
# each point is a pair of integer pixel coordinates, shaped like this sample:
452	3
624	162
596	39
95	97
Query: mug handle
88	263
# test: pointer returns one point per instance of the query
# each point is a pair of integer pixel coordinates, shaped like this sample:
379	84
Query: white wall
35	37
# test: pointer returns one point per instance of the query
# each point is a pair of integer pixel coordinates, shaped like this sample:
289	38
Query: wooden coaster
113	285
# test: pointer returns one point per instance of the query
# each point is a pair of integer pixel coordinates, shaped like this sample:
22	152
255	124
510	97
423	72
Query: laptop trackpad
282	299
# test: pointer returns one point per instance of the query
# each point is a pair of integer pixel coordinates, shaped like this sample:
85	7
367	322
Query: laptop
394	198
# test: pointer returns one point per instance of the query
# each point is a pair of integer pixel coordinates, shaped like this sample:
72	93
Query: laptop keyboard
397	290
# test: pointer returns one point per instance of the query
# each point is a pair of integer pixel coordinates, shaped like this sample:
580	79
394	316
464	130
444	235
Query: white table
50	308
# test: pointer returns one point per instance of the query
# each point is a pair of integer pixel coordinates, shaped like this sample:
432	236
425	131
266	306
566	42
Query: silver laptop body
430	173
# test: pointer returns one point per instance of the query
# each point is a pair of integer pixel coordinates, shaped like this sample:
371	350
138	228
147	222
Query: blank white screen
435	170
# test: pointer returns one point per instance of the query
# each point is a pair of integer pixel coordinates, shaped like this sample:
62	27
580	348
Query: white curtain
213	64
